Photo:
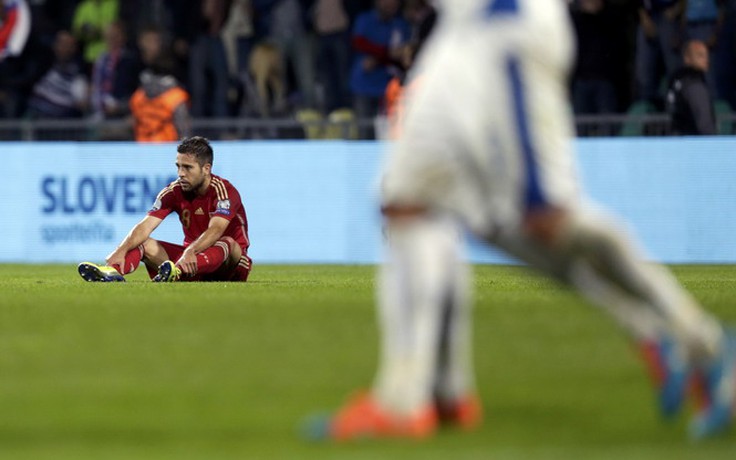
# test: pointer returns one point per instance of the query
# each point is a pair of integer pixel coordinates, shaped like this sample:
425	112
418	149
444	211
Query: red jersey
195	211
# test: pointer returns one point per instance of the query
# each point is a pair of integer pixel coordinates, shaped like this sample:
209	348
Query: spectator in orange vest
160	106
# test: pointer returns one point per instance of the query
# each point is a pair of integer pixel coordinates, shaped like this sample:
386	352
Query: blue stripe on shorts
501	6
533	194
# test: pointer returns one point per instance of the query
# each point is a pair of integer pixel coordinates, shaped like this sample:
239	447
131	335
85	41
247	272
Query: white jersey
468	9
487	133
486	137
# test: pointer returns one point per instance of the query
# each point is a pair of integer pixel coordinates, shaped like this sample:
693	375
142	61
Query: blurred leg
415	285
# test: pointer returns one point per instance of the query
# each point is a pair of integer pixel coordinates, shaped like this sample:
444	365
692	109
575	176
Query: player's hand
188	263
115	259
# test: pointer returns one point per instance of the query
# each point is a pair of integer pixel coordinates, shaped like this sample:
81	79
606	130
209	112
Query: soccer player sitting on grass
212	217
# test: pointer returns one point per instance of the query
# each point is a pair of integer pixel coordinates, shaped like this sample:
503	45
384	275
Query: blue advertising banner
306	202
68	200
316	202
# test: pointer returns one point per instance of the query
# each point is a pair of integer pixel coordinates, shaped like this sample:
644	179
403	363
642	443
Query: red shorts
238	273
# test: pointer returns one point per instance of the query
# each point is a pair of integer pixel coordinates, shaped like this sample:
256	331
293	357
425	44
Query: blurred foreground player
487	141
212	217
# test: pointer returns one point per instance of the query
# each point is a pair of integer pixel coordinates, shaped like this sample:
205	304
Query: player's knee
546	225
231	243
233	248
150	246
573	232
401	212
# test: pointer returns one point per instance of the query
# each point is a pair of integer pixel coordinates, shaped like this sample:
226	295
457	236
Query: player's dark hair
199	147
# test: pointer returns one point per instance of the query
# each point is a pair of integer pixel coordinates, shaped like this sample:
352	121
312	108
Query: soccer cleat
465	413
670	373
363	418
719	385
99	273
167	272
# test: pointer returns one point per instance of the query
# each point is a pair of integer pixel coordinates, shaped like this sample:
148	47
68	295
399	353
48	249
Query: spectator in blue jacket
377	39
114	75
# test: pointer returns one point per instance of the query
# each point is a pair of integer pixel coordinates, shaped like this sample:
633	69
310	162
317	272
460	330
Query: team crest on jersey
156	205
223	207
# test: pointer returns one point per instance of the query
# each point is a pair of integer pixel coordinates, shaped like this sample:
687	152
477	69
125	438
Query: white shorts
487	133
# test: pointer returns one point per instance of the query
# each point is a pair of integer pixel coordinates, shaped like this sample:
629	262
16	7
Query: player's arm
137	235
216	228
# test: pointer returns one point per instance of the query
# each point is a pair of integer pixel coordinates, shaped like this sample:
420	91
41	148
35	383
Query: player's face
191	175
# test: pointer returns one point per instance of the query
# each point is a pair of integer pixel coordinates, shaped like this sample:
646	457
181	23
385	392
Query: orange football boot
362	418
465	412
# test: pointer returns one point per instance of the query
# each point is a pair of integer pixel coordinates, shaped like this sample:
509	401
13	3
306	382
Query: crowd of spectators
628	51
265	58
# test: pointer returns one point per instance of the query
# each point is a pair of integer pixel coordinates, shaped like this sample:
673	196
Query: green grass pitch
210	371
